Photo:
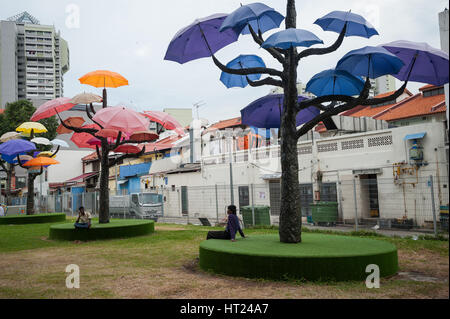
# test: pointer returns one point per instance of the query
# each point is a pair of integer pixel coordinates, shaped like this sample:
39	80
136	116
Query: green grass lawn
164	265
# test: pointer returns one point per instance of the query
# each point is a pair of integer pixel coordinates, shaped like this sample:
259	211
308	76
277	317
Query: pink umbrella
122	119
163	118
129	149
49	108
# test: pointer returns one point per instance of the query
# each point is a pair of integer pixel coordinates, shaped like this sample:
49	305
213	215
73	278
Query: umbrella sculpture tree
16	113
111	128
104	145
206	36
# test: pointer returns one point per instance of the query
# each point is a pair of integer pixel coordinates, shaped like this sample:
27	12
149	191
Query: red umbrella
144	136
163	118
94	141
122	119
81	139
127	148
107	132
49	108
75	121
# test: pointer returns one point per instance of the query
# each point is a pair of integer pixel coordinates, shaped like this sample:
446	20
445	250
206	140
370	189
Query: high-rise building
33	60
382	84
301	88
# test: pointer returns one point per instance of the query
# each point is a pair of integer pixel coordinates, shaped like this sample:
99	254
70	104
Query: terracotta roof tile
90	157
225	124
414	106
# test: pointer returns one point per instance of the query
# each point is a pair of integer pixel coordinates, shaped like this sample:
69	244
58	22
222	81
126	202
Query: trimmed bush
33	219
318	257
119	228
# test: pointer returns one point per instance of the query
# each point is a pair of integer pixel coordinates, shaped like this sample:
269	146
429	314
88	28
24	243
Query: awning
122	181
81	177
271	176
414	136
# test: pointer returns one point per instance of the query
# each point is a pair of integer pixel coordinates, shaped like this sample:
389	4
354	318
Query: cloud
131	37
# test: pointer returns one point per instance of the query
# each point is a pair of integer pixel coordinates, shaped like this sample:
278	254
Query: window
433	92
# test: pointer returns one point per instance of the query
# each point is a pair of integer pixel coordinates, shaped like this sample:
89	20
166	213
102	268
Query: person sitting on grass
231	229
84	219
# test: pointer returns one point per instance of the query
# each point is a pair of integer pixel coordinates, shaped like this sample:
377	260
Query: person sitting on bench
231	229
84	219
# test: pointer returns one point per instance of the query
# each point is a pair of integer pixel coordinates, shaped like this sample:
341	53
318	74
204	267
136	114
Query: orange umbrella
75	121
103	78
41	161
126	148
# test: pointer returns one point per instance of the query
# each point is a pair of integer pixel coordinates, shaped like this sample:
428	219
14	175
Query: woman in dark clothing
231	229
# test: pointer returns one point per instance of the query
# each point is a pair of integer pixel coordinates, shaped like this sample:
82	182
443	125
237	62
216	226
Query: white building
374	167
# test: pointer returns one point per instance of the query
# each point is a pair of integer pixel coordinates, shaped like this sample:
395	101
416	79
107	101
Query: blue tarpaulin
414	136
134	170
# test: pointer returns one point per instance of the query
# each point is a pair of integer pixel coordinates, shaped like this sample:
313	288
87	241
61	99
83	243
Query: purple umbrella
423	63
266	112
15	147
200	39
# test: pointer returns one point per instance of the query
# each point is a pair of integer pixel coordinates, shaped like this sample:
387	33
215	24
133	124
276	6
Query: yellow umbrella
27	127
46	154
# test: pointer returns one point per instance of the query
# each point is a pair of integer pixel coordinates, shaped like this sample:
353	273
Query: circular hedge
317	257
33	219
120	228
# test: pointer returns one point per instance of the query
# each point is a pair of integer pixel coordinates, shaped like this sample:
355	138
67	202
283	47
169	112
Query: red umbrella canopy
81	139
122	119
163	118
144	136
107	132
75	121
127	148
94	141
50	108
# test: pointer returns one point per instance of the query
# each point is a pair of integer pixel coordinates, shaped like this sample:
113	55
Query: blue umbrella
370	62
356	24
200	39
291	38
335	82
423	63
266	112
242	61
258	15
15	147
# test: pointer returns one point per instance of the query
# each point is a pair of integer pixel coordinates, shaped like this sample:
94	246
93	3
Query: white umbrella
59	142
86	98
41	140
9	136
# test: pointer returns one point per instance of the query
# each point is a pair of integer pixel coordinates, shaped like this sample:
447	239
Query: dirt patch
168	228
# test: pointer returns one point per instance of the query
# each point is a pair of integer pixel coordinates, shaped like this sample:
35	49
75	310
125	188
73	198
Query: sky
131	38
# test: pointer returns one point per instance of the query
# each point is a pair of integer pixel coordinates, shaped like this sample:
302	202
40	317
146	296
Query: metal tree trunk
9	174
104	185
30	194
290	212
